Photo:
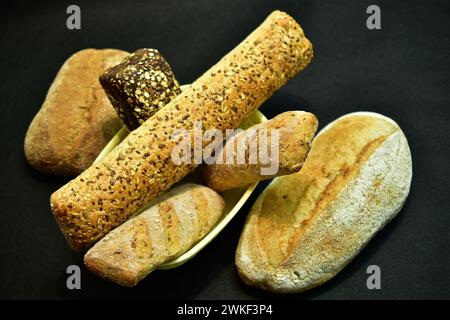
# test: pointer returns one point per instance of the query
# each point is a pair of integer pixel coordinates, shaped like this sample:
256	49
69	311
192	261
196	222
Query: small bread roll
164	231
304	228
296	129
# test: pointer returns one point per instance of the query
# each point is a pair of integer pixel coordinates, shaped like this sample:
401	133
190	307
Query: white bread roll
304	228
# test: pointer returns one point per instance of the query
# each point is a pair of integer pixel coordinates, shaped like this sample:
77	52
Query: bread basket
234	199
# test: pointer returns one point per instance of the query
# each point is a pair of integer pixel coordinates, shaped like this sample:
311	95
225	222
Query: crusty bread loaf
162	232
76	119
141	167
296	129
304	228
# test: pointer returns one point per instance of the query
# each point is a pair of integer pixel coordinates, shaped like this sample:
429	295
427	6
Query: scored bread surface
304	228
164	231
140	168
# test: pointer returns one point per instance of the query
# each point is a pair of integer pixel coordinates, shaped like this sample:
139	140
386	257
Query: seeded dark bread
76	119
140	168
139	86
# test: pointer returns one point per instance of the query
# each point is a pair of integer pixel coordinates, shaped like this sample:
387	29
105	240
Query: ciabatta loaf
304	228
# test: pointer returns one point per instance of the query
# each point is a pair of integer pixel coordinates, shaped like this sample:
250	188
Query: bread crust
166	230
140	168
296	129
76	119
304	228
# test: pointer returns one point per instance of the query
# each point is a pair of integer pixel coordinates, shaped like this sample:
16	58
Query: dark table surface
401	71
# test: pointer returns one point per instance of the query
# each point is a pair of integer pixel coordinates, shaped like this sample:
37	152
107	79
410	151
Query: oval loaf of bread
296	129
304	228
164	231
76	119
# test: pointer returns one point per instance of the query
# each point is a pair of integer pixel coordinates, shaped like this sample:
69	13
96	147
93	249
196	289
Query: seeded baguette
296	129
76	120
166	230
306	227
140	168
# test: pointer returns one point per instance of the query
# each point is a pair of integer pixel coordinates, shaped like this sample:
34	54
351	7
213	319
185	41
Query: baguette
304	228
296	129
140	168
164	231
76	119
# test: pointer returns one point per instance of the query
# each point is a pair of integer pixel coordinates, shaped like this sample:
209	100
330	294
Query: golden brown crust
76	119
304	228
162	232
296	130
141	168
336	158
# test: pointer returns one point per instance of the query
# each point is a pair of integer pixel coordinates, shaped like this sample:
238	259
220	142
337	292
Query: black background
401	71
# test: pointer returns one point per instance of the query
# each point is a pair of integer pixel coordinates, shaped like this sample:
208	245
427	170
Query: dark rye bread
139	86
140	168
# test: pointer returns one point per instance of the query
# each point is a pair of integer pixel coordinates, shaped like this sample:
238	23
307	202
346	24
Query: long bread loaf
140	168
164	231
